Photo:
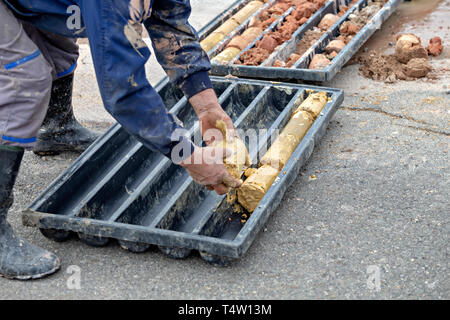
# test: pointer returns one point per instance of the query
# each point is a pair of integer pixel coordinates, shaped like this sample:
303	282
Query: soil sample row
237	44
311	36
260	180
304	9
231	24
356	21
256	27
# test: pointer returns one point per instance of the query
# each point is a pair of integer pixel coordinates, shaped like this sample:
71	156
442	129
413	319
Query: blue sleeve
119	56
176	46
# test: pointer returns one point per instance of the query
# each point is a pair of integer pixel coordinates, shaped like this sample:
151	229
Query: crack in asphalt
400	116
425	129
392	115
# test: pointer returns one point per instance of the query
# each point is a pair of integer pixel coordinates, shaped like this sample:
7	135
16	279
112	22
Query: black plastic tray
300	70
119	189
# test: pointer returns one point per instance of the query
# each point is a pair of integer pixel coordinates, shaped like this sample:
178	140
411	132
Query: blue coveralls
119	56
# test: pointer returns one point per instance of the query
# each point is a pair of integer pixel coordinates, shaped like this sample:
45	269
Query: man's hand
205	166
208	110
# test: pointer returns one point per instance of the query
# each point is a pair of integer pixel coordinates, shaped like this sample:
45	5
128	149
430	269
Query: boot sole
32	277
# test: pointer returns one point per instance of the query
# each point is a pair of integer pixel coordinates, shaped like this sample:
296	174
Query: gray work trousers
30	59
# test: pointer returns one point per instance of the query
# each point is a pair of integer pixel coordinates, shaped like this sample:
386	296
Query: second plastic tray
119	189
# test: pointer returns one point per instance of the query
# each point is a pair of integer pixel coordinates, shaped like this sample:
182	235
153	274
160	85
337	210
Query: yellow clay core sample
239	158
228	26
226	55
313	104
249	171
210	41
286	143
256	186
247	11
258	183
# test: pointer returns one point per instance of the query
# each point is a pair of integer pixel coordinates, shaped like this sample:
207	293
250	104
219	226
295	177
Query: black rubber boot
60	131
18	259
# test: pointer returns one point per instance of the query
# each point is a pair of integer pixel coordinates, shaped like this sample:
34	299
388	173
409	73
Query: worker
35	50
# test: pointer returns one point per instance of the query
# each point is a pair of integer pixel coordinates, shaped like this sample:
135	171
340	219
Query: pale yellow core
226	55
231	24
247	11
239	158
256	186
258	182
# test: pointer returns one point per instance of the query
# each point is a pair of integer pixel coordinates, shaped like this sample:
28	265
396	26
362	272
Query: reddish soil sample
311	36
263	48
268	43
328	21
409	46
291	60
319	61
305	10
344	9
275	11
332	55
435	47
335	45
254	57
349	28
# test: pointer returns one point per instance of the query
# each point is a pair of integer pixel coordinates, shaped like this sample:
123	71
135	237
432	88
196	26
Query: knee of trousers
24	96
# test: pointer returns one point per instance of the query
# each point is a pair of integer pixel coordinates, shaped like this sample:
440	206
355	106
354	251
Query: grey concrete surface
379	203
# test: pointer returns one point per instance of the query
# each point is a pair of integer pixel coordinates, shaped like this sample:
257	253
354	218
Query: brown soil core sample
311	36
